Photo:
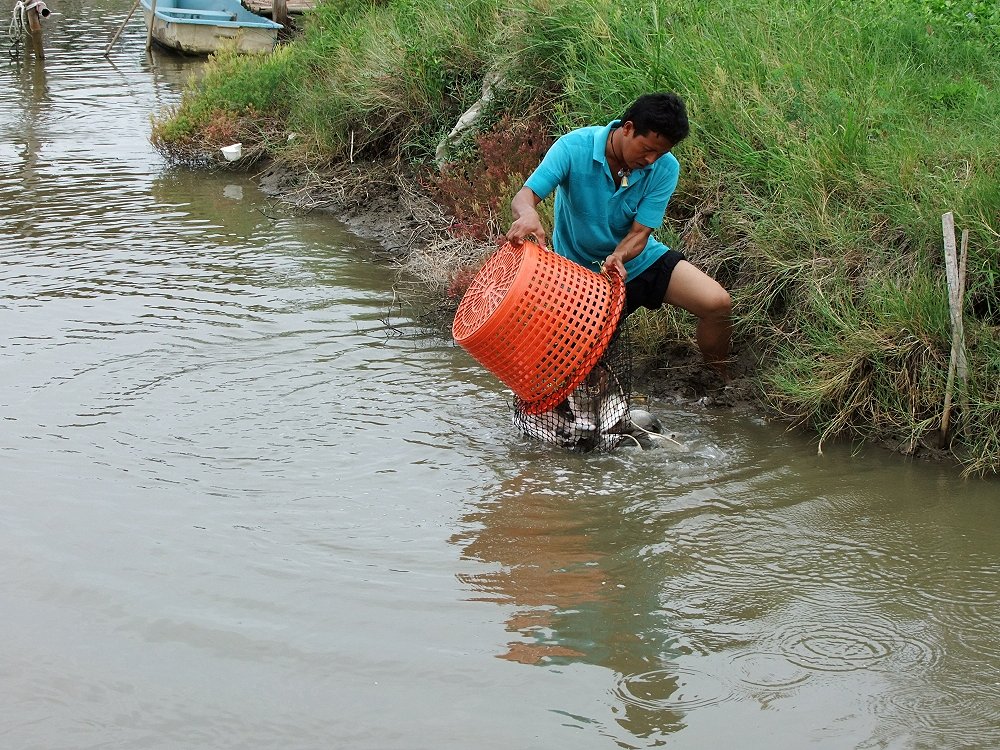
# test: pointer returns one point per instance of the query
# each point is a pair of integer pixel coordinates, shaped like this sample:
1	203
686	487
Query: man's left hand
614	262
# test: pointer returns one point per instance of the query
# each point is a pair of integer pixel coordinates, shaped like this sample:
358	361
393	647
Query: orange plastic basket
538	321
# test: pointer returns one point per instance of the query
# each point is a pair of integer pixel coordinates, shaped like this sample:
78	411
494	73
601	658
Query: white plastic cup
232	153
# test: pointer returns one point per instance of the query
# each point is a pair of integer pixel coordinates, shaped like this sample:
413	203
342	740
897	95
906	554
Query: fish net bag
595	415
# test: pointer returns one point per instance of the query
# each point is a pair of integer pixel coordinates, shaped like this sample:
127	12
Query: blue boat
200	27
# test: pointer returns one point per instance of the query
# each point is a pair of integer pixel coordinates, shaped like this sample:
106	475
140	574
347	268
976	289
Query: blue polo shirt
592	215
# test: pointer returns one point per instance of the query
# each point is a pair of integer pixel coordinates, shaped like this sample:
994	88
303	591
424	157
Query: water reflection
560	565
550	569
27	132
175	189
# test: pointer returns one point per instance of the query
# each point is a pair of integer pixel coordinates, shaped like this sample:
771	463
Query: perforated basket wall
538	321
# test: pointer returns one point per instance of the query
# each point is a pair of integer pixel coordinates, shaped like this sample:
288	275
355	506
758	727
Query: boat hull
204	39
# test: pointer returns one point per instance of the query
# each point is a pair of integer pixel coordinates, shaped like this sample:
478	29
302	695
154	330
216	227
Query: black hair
662	113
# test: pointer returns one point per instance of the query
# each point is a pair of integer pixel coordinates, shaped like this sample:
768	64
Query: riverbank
382	203
823	155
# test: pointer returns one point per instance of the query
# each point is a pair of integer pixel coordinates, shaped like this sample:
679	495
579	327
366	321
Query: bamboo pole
955	272
121	28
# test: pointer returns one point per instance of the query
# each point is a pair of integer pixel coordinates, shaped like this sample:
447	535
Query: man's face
642	150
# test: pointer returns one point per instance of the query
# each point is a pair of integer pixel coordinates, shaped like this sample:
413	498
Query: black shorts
650	287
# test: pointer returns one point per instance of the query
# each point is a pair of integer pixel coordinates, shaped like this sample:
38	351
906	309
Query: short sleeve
553	170
653	205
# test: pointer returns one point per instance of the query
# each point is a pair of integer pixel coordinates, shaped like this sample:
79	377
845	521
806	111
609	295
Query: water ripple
768	670
830	646
943	715
672	688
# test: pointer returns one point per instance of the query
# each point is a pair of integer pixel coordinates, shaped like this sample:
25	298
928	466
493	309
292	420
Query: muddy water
247	502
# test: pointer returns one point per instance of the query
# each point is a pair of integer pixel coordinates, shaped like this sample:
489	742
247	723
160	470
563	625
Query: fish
644	421
647	432
596	416
592	417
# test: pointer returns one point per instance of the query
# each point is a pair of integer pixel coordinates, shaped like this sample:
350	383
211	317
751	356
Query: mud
374	201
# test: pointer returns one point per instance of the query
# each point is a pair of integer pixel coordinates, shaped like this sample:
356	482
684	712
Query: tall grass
373	78
828	138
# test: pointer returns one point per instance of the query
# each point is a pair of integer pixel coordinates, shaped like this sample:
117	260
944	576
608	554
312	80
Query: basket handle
504	242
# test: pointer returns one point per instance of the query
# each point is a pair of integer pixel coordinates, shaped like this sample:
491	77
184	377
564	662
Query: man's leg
700	294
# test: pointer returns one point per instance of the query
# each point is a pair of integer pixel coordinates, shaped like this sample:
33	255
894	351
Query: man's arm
542	182
631	245
526	219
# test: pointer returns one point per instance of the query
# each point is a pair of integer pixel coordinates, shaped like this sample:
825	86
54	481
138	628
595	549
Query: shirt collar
601	142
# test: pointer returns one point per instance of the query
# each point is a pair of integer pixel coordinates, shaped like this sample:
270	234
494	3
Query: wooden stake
152	20
279	14
962	364
955	273
121	28
35	28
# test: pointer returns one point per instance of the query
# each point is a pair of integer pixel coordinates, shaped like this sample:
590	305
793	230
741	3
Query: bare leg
700	294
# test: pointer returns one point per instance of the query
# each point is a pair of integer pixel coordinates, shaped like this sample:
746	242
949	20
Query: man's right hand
525	227
527	223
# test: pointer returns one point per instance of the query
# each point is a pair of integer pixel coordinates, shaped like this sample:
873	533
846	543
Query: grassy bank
828	138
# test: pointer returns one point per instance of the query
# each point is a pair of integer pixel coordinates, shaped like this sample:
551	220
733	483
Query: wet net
595	416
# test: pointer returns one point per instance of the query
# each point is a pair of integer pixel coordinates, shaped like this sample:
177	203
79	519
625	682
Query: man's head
663	114
650	127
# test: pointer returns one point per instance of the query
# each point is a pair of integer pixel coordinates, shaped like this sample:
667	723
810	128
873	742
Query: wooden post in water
955	272
152	20
35	29
279	14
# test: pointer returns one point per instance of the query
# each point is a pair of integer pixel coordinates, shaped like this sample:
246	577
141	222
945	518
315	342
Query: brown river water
247	502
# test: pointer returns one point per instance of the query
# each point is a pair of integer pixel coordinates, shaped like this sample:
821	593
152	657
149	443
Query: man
614	183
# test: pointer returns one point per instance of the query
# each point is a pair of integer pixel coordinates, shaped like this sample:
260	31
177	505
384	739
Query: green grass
828	138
